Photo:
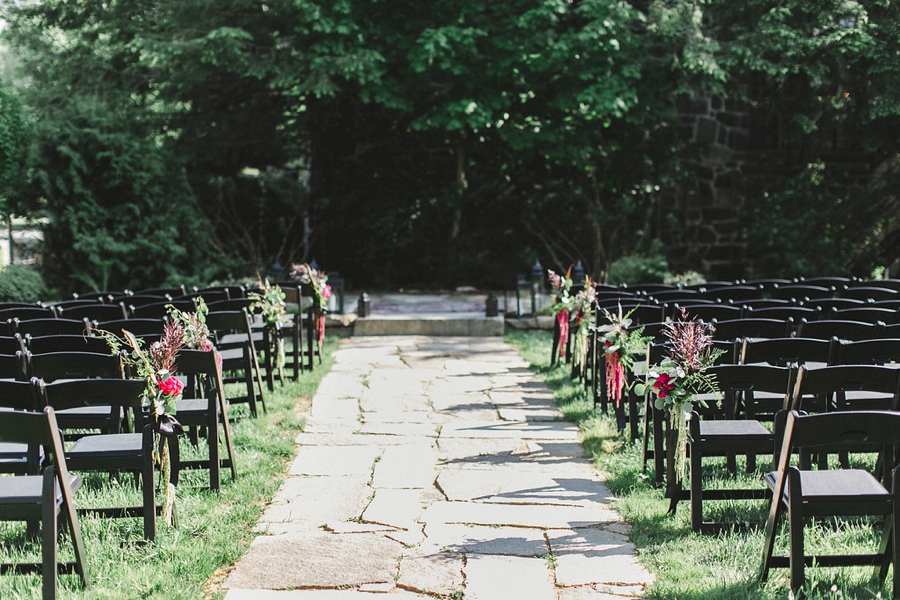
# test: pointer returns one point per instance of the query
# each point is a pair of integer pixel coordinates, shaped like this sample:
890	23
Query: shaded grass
689	566
214	530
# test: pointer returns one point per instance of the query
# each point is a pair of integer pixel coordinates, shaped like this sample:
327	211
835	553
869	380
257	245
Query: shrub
21	283
639	269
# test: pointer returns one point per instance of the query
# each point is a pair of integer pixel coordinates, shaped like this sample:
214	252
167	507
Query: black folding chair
46	496
802	494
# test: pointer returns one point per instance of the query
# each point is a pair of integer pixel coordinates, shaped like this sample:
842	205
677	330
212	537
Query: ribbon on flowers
562	319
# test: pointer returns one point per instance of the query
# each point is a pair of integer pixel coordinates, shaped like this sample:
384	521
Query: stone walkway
435	467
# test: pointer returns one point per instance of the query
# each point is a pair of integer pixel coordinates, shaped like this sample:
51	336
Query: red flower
171	386
664	384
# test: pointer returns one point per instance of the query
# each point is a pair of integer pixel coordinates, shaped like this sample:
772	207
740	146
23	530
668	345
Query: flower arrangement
681	377
196	335
269	301
156	365
562	304
582	306
318	281
620	344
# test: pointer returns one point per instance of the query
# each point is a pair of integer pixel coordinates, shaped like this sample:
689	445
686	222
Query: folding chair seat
723	434
203	405
37	327
840	329
46	497
883	351
114	452
803	494
234	341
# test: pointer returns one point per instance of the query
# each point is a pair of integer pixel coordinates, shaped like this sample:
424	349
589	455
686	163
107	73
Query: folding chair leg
149	490
49	523
795	519
212	439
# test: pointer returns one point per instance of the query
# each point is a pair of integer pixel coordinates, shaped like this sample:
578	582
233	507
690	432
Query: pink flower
171	386
664	384
326	292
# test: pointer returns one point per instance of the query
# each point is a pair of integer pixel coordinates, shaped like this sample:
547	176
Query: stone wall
708	236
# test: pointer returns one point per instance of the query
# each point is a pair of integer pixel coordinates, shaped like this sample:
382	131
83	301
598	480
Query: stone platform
448	314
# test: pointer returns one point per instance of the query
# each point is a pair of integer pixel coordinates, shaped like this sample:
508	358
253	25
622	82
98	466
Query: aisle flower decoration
620	344
156	365
318	282
583	305
562	305
269	301
680	378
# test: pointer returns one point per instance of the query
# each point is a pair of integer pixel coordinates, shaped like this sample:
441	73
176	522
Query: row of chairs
43	409
834	410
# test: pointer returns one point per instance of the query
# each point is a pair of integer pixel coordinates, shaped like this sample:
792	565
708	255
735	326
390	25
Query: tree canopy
450	142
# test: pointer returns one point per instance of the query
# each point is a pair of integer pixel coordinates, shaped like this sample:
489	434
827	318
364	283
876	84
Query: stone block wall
704	234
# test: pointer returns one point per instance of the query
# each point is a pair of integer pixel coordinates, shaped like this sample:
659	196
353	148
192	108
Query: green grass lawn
689	566
214	530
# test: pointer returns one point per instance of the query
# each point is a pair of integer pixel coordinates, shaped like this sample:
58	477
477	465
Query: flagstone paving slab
411	466
342	460
433	574
316	560
336	408
478	539
591	556
397	508
314	501
435	467
493	577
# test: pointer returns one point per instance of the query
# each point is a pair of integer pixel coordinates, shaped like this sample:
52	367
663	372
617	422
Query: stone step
464	324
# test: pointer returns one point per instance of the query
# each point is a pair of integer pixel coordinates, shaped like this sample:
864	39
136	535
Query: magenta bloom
665	383
171	386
